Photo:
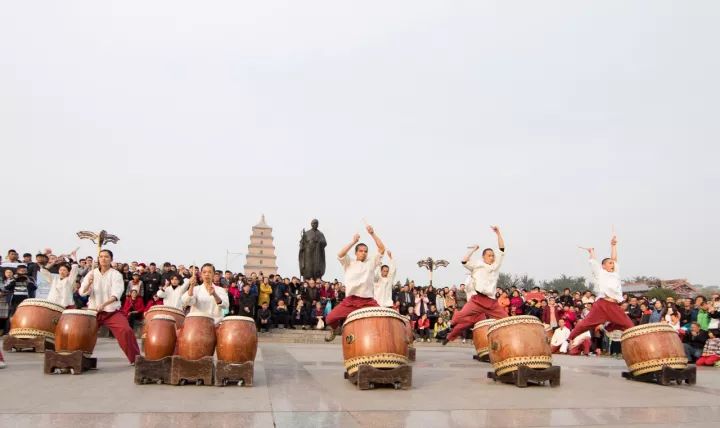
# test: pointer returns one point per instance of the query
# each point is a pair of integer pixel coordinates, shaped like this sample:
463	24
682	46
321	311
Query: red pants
478	308
584	347
603	311
708	360
117	323
349	304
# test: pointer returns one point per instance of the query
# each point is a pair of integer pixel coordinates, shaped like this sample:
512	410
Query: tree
660	293
574	283
526	282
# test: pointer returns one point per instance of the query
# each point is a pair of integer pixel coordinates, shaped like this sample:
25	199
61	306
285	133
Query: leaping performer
609	292
359	275
484	274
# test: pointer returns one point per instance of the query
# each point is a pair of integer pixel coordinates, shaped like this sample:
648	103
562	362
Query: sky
175	125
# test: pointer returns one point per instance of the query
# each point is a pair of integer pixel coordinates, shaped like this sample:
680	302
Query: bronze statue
312	252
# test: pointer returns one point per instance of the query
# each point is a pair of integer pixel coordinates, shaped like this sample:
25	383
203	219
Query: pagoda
261	251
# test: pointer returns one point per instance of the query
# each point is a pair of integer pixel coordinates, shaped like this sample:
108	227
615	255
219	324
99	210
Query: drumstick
584	248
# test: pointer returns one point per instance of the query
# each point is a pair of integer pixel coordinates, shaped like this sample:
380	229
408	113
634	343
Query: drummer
172	293
206	298
359	276
62	285
384	282
482	288
105	286
609	295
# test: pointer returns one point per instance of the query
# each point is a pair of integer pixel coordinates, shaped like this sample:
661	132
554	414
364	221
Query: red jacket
234	294
327	293
133	306
546	314
152	303
423	323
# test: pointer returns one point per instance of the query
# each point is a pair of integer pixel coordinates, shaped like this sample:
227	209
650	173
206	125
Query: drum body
76	331
376	337
480	337
518	341
548	331
35	318
160	338
649	347
154	311
197	337
236	339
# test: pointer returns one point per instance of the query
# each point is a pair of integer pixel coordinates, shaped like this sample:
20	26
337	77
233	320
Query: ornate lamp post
100	239
431	265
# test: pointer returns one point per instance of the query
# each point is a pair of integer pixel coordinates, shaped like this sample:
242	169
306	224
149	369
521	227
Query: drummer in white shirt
105	286
206	298
62	285
384	280
172	293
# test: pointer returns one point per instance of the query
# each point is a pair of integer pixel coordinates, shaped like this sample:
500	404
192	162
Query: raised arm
613	248
470	253
378	242
346	249
501	240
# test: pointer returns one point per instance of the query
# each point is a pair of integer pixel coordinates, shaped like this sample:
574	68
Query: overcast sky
176	124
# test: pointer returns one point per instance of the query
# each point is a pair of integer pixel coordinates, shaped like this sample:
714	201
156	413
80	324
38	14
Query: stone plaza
299	383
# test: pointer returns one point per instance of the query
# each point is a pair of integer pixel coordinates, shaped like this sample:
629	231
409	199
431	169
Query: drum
480	337
197	337
154	311
76	331
410	332
236	339
35	318
161	337
376	337
548	331
518	340
649	347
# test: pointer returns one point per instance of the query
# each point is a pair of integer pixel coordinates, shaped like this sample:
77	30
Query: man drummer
206	298
482	289
359	278
384	282
609	295
105	286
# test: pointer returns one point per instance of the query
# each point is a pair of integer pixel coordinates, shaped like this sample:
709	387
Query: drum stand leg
666	376
227	373
411	353
152	371
367	377
37	344
524	375
71	362
199	372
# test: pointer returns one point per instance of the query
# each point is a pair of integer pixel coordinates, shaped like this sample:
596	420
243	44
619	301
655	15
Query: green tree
574	283
660	293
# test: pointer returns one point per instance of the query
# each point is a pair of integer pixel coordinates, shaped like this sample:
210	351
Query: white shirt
560	336
202	302
104	286
579	339
359	275
61	289
383	286
608	283
484	276
173	296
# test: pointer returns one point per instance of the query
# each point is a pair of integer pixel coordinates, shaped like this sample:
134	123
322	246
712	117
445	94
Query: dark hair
486	250
12	251
27	255
207	264
384	266
227	271
357	247
110	253
65	265
604	260
153	264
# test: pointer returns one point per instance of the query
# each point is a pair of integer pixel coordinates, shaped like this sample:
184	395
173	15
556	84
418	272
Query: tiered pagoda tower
261	251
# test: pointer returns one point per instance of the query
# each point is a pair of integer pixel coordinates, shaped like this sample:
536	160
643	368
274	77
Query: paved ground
299	385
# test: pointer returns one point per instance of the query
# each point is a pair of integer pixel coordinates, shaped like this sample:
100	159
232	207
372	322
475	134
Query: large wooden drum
76	331
518	341
154	311
197	337
649	347
160	338
35	318
376	337
480	337
236	339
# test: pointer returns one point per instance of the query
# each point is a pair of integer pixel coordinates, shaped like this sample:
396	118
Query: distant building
261	251
681	287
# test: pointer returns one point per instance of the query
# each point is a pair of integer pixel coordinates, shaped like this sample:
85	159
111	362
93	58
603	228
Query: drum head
41	303
639	330
162	318
518	319
377	311
199	315
164	308
84	312
484	323
238	318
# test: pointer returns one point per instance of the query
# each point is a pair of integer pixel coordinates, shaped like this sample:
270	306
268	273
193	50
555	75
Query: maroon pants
583	347
344	308
478	308
708	360
118	324
603	311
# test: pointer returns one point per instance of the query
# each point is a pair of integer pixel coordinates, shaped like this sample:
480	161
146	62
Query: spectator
552	314
656	315
711	351
634	311
246	302
566	298
155	301
152	281
318	316
695	342
423	328
265	293
281	317
645	318
234	297
441	329
265	317
299	315
559	341
433	316
516	303
133	308
20	287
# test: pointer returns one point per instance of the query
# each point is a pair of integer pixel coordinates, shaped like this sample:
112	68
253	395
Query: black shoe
444	342
333	333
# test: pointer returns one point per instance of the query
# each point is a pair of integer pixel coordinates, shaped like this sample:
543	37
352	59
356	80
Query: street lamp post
431	265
